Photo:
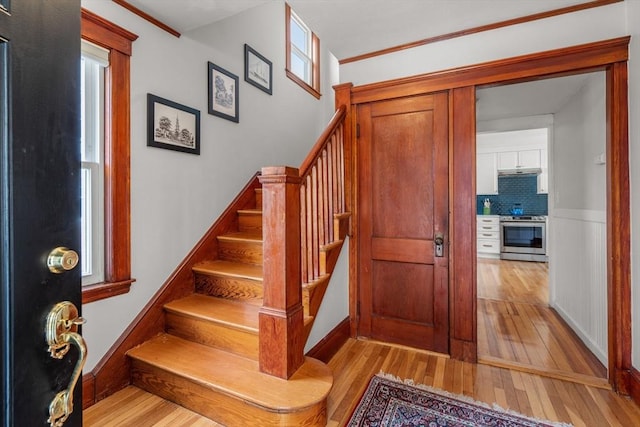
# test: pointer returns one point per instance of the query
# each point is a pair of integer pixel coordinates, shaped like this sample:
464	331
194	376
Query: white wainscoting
578	274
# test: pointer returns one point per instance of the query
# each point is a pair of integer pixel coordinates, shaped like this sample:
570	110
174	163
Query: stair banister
316	151
298	219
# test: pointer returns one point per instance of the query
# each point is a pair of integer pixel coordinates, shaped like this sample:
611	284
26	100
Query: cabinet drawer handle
486	234
487	246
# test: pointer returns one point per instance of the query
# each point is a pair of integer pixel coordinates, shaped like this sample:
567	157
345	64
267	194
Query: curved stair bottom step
228	388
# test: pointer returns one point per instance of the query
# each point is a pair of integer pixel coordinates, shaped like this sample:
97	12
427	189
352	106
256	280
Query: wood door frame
610	56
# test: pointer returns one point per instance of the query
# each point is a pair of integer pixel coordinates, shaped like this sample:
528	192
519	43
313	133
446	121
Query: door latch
62	332
439	242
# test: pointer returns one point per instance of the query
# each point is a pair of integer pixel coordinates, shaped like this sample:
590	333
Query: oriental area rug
389	402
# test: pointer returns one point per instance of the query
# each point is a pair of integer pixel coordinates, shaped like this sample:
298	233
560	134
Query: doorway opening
541	188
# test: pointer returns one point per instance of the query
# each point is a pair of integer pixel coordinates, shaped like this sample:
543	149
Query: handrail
335	121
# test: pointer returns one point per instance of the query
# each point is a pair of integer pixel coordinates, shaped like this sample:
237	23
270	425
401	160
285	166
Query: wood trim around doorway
610	56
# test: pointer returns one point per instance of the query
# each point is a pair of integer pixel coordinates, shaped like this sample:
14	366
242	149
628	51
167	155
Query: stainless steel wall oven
523	238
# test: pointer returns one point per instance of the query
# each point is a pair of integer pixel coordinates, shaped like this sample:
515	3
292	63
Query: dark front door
39	209
403	211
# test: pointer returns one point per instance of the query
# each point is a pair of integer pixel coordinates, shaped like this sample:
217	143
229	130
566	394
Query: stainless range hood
519	171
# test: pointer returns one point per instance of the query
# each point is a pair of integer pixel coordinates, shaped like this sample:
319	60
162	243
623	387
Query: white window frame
94	61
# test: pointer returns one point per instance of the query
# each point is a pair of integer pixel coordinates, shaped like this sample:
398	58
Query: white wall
335	302
577	224
580	136
565	30
175	197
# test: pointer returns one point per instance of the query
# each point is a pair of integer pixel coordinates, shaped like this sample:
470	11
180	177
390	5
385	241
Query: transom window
303	54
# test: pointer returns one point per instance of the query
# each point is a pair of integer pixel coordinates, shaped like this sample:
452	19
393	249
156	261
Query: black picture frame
224	92
258	70
172	126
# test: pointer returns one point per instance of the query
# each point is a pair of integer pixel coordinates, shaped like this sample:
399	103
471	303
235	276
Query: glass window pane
299	36
83	118
91	110
300	66
86	221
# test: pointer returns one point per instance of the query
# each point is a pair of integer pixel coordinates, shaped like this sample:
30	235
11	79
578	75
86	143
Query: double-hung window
94	61
303	53
106	222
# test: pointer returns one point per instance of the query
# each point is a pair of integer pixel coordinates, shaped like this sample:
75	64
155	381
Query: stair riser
258	198
250	222
231	288
240	251
217	405
240	342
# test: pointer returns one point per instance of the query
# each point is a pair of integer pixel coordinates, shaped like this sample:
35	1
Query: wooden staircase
225	334
207	357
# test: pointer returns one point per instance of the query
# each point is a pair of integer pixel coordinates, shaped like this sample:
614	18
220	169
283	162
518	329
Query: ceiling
527	99
352	27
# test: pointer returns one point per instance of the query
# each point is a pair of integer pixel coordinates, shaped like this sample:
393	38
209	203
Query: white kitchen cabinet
488	236
543	178
486	173
510	150
508	160
523	159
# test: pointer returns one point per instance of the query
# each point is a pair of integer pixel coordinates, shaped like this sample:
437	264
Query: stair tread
230	269
253	236
236	375
219	310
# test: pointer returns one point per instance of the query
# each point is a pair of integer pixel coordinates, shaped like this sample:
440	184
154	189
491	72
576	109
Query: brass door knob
62	259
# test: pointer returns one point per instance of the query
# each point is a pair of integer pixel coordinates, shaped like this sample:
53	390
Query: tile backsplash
516	189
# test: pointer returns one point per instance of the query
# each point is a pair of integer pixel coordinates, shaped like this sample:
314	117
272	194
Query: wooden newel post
281	349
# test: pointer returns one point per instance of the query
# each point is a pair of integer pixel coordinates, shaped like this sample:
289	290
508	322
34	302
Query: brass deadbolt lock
62	259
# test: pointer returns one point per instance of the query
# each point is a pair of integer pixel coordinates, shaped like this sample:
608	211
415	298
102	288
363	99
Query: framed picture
223	93
172	126
257	70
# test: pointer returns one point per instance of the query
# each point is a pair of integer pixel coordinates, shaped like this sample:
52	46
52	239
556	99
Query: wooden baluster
325	201
331	188
281	329
323	197
320	217
314	219
309	229
304	274
342	171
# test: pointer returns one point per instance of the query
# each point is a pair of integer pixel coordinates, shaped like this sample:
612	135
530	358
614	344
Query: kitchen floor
518	330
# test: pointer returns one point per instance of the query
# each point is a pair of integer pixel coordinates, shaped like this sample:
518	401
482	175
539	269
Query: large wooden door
39	208
403	207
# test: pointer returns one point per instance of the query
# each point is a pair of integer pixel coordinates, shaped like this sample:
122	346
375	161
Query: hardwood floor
135	407
531	363
517	329
526	393
357	361
514	281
